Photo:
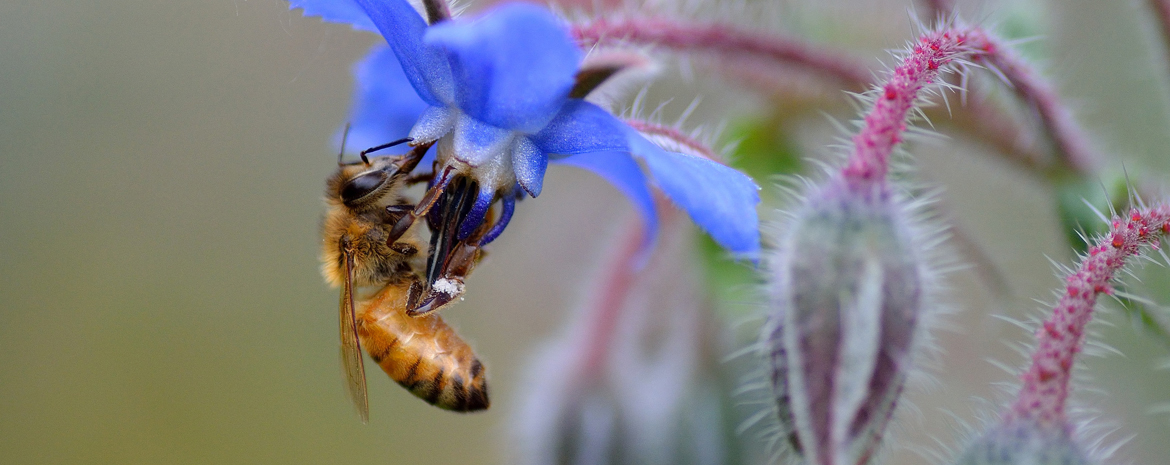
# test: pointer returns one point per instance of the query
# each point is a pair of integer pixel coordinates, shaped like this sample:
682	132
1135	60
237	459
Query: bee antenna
344	136
383	146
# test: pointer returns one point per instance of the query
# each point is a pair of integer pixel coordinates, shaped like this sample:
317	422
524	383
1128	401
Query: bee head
369	186
364	188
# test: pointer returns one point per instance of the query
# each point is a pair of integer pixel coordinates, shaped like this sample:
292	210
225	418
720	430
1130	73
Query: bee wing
351	349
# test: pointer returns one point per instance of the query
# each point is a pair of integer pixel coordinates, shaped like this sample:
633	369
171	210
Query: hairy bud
1024	443
846	295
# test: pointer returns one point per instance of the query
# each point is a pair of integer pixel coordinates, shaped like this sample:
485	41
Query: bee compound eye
362	186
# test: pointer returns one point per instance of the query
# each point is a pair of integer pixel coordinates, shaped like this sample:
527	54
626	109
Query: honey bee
365	201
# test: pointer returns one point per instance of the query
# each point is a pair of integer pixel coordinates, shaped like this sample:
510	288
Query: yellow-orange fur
366	227
422	353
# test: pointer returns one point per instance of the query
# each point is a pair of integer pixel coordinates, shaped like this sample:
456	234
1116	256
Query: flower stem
992	126
1072	145
1162	16
689	144
1074	153
611	293
883	126
886	122
720	38
1046	383
936	10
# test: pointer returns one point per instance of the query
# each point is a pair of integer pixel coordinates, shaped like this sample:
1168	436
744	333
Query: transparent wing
351	350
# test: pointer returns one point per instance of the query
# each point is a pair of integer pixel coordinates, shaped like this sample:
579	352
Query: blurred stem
611	292
722	38
981	120
998	130
1046	384
1073	149
1162	16
936	10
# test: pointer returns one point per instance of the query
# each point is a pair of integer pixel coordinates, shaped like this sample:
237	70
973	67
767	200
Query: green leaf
764	150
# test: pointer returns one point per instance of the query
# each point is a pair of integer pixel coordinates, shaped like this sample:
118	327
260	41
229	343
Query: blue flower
493	94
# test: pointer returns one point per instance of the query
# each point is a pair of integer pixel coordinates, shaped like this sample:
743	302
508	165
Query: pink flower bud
847	296
848	282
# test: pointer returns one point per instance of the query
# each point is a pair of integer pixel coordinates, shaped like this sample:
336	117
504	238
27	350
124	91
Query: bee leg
407	250
407	161
396	212
414	295
424	206
449	286
441	295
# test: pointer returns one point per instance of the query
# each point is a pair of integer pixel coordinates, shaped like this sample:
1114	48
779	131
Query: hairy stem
720	38
1162	16
883	126
1046	383
689	144
1069	140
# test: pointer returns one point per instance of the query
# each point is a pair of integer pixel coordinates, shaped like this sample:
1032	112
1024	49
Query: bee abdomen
447	390
422	354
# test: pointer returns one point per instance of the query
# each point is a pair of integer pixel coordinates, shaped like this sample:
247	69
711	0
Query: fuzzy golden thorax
358	222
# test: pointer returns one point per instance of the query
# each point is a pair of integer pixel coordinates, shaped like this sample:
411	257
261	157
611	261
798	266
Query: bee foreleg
407	250
424	206
396	212
449	285
415	293
444	291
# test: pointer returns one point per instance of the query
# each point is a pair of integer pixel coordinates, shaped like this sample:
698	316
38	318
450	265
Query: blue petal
432	124
474	218
721	200
476	143
582	127
425	66
529	163
509	207
337	11
625	174
514	65
384	107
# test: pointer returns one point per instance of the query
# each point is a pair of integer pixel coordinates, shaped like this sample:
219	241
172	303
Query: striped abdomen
422	353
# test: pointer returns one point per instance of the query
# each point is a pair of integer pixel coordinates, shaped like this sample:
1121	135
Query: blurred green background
161	168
